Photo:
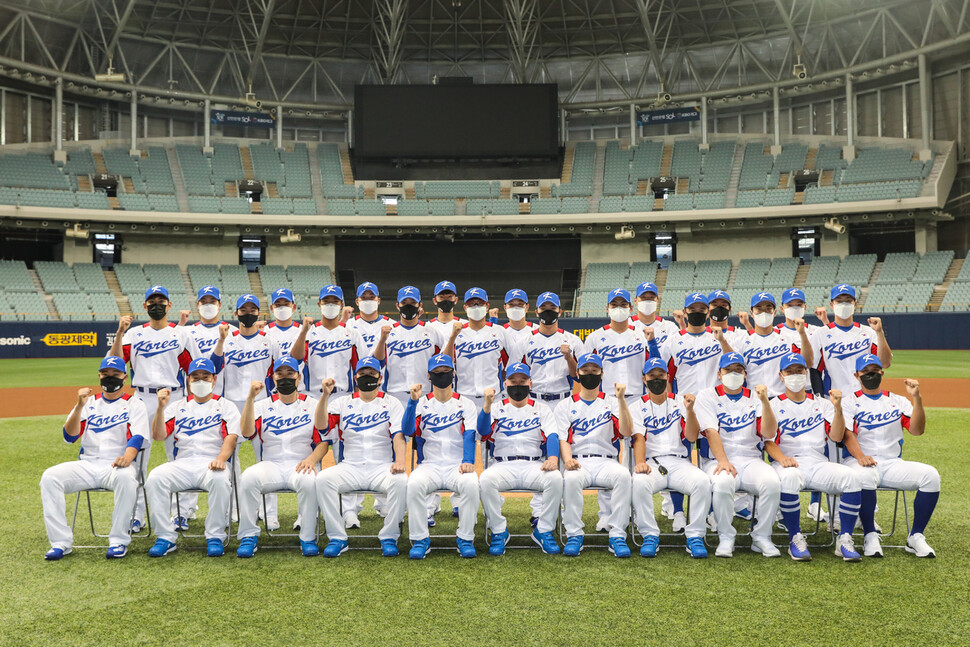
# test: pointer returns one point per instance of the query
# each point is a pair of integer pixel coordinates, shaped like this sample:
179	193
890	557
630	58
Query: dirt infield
41	401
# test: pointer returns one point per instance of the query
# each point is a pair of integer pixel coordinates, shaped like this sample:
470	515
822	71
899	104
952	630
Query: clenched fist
456	327
124	323
565	350
385	332
689	401
327	386
762	392
415	391
744	318
489	396
83	395
620	390
223	331
254	388
835	397
493	313
183	317
822	315
305	326
649	333
875	323
164	395
799	325
912	387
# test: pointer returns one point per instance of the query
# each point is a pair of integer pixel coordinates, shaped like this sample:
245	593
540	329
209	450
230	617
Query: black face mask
248	320
111	384
590	381
657	386
720	313
367	382
446	306
517	392
408	311
871	380
696	318
443	379
157	311
548	317
286	385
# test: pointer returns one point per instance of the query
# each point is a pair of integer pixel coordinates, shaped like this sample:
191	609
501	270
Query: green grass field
522	598
80	371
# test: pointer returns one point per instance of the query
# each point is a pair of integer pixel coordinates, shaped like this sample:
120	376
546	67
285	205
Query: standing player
692	354
284	330
520	431
245	355
516	308
368	323
205	429
764	347
117	427
368	426
443	425
874	443
590	425
805	423
206	330
648	301
159	352
661	422
720	304
445	299
735	423
481	350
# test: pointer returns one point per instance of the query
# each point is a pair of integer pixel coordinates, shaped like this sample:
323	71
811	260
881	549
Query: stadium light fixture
833	224
290	237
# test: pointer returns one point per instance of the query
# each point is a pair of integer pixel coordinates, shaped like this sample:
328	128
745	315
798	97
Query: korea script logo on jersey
584	426
246	357
147	348
99	423
405	348
795	427
616	353
472	349
516	427
845	350
324	348
765	355
658	424
280	424
435	422
736	423
359	422
191	426
692	356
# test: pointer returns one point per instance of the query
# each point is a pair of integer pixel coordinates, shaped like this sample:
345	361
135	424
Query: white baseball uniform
623	356
333	353
762	357
550	371
480	360
791	336
207	335
836	350
516	335
285	337
407	352
108	428
444	327
691	360
370	331
663	328
244	360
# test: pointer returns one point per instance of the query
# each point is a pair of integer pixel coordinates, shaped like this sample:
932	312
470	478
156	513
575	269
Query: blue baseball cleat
116	552
573	546
161	548
431	521
135	527
497	546
650	545
618	547
546	542
743	513
309	548
55	554
798	549
214	548
466	548
247	547
696	548
389	548
181	523
420	548
335	548
454	512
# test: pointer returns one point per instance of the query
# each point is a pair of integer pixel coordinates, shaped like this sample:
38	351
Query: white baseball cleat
871	546
351	520
725	547
845	549
816	513
765	547
916	544
680	521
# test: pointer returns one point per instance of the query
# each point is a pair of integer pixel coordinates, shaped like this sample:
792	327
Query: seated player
805	424
591	425
735	423
116	426
368	426
520	430
661	422
874	443
443	426
205	428
288	424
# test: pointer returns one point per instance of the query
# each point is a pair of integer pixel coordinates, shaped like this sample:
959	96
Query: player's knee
930	480
790	480
47	479
868	478
305	482
769	486
641	483
126	477
573	479
723	483
699	484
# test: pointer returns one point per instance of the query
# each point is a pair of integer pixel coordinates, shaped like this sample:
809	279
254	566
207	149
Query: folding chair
892	528
433	536
146	531
277	533
487	448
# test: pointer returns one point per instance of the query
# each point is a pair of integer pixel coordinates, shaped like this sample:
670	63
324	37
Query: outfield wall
918	331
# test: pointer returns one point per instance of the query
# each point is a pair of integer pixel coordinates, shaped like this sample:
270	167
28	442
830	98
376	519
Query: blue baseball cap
842	288
619	292
156	289
440	360
409	292
718	294
652	363
695	297
445	286
516	293
332	291
643	288
209	291
791	294
867	360
548	297
476	293
730	358
201	364
792	359
288	361
283	293
762	297
113	361
368	362
518	367
365	286
589	358
247	298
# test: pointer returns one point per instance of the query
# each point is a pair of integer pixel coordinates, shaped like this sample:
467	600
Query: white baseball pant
75	476
682	476
520	475
428	477
596	472
185	474
272	506
604	496
346	477
894	472
269	476
190	503
817	473
754	477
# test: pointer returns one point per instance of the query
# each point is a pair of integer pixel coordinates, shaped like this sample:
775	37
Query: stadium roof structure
601	53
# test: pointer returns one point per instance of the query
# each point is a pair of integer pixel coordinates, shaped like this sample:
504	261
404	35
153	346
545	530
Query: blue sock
816	498
678	500
849	510
923	507
791	509
867	511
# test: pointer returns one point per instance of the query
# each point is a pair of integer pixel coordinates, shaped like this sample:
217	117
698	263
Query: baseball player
764	346
590	425
874	444
443	424
648	300
520	432
158	352
516	308
117	427
284	330
797	453
289	423
368	323
205	428
245	355
206	330
661	422
372	454
481	350
445	299
735	423
720	304
550	352
837	347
